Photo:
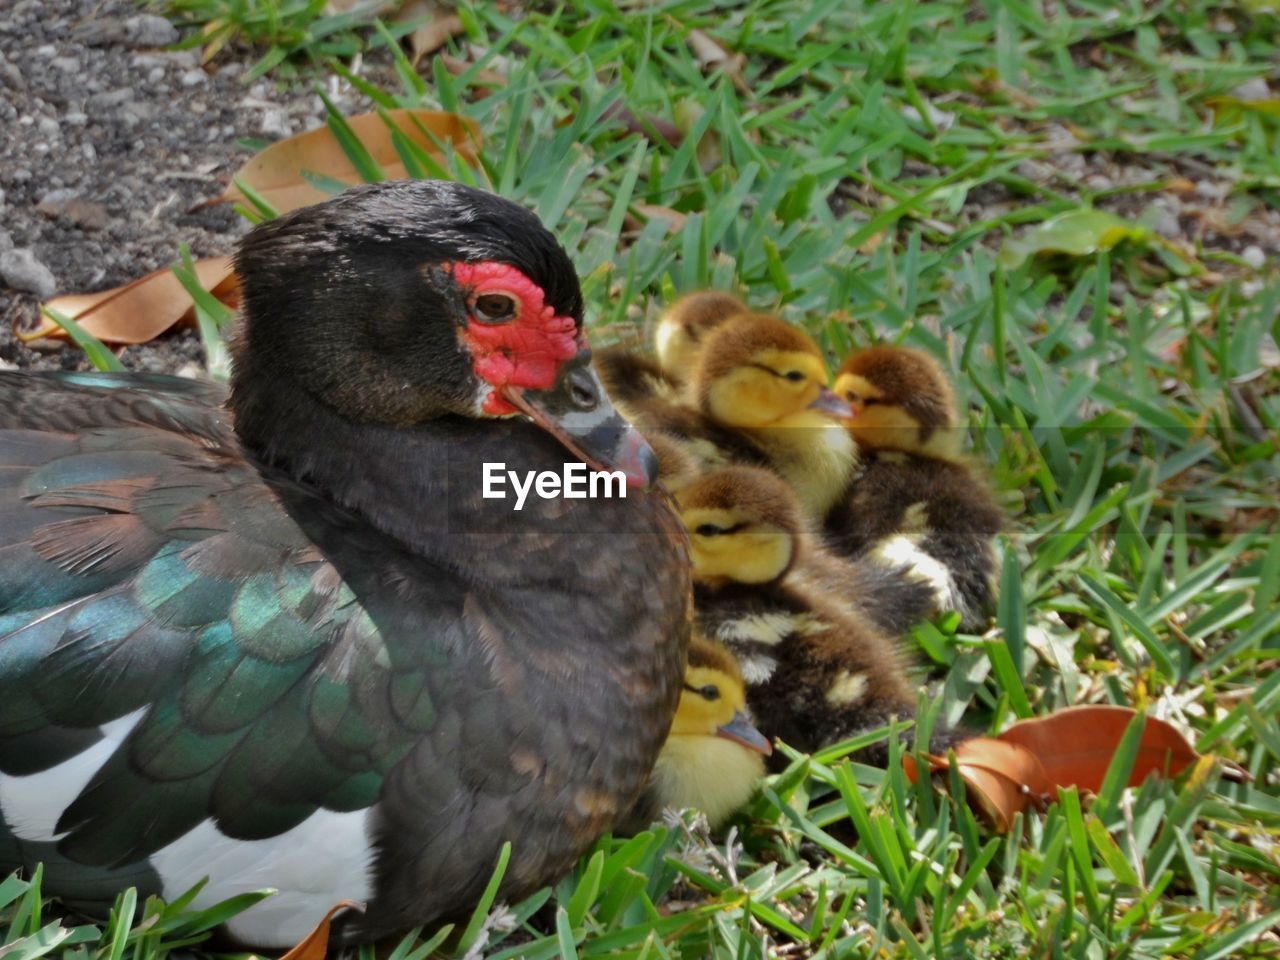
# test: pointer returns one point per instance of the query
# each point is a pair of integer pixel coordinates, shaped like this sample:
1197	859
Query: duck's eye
494	308
851	396
708	530
795	376
870	401
710	692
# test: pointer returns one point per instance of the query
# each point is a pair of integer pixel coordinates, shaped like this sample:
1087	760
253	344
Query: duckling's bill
742	731
827	402
577	411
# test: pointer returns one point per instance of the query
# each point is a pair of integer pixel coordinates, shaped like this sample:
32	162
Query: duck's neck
815	455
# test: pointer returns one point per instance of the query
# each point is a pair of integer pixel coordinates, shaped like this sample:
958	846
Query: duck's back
208	668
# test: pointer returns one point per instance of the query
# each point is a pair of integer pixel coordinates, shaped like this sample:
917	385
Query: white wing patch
847	688
904	549
324	859
33	804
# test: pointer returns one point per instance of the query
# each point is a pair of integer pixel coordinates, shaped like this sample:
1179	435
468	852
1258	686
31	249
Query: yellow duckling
714	756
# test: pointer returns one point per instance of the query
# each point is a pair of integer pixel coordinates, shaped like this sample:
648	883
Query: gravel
108	142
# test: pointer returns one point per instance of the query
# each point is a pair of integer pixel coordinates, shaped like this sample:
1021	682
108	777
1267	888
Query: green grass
863	178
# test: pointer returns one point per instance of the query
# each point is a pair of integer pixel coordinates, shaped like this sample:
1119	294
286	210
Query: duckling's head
714	755
900	397
400	302
743	525
759	372
686	323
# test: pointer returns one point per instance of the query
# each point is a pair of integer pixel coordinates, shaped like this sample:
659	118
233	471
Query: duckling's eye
870	401
795	376
710	692
494	308
708	530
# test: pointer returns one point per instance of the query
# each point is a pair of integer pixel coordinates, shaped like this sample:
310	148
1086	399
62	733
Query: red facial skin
525	352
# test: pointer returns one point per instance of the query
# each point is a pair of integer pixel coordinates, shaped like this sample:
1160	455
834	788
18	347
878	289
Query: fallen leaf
1076	233
1000	778
711	55
485	78
652	211
142	309
1073	747
437	24
276	172
315	944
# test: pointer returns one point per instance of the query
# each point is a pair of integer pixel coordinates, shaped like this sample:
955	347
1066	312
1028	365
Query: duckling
714	756
685	324
280	639
758	397
917	500
816	670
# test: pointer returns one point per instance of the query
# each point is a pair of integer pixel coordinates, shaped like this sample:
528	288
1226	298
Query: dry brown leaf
711	55
276	172
315	944
1000	778
485	78
142	309
1075	745
651	211
439	24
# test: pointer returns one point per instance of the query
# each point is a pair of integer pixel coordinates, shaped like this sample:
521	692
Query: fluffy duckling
917	501
758	396
816	670
714	756
684	326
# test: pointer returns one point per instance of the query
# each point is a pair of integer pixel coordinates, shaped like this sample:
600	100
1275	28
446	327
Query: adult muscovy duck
283	640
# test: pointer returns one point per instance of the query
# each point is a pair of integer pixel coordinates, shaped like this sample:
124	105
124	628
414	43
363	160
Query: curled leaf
142	309
434	25
277	173
315	944
1071	748
1075	745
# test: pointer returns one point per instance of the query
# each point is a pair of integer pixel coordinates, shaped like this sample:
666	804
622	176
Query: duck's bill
741	730
833	406
577	412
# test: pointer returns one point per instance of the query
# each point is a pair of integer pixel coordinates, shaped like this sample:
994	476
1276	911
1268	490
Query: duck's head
400	302
744	525
759	372
901	400
714	756
684	325
713	702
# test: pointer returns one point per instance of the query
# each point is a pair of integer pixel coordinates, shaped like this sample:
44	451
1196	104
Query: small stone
76	119
1253	89
275	123
155	76
99	32
55	200
108	99
6	241
46	51
193	78
1253	256
65	64
149	30
20	270
48	127
1213	191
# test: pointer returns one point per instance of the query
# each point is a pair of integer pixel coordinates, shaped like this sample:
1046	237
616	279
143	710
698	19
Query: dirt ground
107	142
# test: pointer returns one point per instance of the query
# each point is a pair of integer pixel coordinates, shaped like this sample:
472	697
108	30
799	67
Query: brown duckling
917	501
816	670
758	396
684	326
714	756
